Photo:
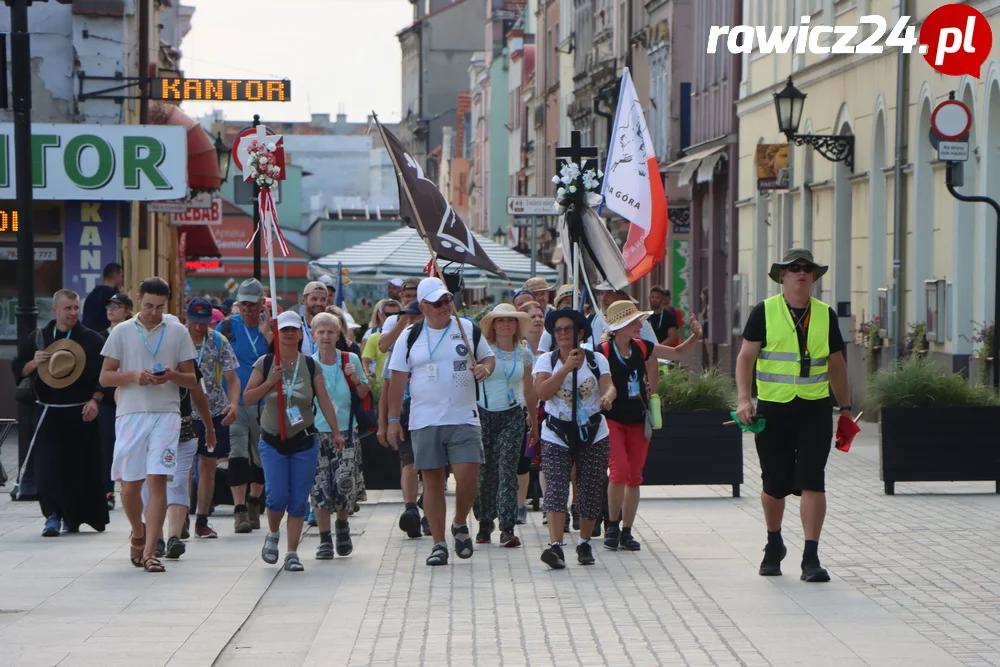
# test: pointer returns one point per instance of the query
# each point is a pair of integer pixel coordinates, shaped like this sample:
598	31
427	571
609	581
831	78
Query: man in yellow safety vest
795	344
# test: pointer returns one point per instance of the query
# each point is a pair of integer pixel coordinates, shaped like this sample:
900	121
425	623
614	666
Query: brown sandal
153	564
137	546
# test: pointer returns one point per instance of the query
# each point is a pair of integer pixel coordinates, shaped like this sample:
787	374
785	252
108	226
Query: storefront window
48	280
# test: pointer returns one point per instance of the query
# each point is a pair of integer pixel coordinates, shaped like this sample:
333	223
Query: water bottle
655	413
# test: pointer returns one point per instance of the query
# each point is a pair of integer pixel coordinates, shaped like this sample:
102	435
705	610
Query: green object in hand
756	426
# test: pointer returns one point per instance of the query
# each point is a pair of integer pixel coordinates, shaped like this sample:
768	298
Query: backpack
591	361
310	364
226	329
217	337
363	412
477	335
605	347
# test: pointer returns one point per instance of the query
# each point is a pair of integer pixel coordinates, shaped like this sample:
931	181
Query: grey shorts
436	447
244	434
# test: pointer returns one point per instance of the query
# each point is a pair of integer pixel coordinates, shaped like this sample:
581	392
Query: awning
203	159
200	241
690	164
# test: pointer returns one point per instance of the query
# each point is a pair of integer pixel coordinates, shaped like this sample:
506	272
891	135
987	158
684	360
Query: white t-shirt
450	397
125	343
389	324
560	405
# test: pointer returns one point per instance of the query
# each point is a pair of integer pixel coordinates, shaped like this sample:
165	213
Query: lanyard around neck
145	341
432	350
201	351
508	374
68	333
614	346
253	341
290	387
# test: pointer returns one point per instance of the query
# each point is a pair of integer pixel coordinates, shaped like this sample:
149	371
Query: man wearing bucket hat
794	343
541	290
65	449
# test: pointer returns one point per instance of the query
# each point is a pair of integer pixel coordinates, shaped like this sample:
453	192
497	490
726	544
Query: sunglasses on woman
796	268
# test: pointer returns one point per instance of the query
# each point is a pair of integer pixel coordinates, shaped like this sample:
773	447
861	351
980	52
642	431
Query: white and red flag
632	185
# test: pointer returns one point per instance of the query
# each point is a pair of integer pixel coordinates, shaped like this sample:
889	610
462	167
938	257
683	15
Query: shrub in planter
693	447
933	425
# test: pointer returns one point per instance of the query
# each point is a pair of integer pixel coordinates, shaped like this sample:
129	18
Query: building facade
849	216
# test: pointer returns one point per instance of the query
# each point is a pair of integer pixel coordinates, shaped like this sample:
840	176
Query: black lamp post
789	104
500	237
225	159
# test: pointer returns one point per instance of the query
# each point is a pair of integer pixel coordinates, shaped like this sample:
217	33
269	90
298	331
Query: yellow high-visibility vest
780	363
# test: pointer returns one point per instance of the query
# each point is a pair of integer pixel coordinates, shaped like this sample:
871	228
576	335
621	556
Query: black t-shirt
95	316
756	331
186	408
663	322
627	410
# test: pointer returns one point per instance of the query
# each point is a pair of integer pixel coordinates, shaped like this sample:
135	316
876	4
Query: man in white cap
393	288
444	420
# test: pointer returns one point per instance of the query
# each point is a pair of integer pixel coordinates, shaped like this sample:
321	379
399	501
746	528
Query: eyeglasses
115	306
440	303
563	330
795	268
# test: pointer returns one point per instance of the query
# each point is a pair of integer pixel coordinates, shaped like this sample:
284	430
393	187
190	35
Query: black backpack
226	329
416	329
269	360
591	361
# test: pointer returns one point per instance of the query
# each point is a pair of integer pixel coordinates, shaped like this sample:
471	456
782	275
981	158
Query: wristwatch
845	407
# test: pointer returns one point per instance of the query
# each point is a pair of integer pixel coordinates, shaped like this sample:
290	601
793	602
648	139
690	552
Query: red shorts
629	447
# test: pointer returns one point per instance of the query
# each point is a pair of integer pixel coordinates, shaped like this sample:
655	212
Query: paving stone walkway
916	581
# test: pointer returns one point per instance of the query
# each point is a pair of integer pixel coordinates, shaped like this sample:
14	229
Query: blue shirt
339	391
249	345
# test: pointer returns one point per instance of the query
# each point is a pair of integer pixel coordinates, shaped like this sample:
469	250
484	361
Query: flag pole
422	231
268	222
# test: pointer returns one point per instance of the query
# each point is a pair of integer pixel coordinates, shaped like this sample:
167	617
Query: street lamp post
500	237
789	104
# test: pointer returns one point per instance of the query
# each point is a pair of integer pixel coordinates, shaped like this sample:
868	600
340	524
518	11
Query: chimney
320	120
341	119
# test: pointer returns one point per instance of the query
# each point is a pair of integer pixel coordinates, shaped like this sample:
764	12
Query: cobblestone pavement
915	582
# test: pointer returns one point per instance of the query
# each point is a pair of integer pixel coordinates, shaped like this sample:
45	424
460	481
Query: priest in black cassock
65	451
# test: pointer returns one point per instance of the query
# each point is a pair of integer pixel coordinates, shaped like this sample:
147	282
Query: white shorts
145	444
178	485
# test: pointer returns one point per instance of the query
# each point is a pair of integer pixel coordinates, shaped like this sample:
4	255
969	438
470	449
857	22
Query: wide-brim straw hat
793	255
505	310
622	313
65	366
537	284
563	292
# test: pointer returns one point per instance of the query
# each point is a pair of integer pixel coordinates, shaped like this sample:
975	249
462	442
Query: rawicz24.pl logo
954	39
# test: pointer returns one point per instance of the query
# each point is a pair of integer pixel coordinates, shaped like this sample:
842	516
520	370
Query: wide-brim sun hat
505	310
65	366
575	315
537	284
793	255
563	292
623	313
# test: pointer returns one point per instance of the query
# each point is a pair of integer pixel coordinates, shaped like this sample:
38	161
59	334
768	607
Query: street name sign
527	206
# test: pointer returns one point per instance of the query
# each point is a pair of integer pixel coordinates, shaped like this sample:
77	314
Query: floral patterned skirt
336	487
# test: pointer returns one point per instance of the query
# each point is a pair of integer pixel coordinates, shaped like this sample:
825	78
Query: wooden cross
585	156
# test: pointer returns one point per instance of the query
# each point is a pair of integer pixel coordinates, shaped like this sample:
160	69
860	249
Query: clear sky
338	54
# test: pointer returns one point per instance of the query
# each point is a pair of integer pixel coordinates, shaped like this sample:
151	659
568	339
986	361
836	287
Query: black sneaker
596	532
611	538
175	548
554	557
814	572
584	554
485	532
575	513
161	548
424	526
627	542
509	539
409	522
773	555
186	530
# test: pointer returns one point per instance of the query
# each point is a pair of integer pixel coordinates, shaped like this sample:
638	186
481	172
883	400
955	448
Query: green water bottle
655	414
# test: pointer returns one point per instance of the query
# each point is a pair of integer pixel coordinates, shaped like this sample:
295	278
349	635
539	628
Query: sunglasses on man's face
442	302
795	268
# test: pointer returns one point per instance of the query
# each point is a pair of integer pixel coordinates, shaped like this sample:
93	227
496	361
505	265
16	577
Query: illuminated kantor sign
8	221
223	90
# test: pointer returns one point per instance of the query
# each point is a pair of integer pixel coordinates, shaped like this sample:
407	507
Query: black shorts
794	446
221	450
405	451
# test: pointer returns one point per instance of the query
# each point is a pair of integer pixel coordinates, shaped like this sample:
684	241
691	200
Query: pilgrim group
182	417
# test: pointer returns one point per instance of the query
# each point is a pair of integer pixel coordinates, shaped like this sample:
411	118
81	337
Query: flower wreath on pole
574	186
266	172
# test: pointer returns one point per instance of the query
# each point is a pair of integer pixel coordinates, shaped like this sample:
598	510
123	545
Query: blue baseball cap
412	309
199	311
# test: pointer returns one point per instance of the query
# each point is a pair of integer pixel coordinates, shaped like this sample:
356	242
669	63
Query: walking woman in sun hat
504	417
627	355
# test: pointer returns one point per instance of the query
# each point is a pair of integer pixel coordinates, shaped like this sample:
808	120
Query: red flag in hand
846	430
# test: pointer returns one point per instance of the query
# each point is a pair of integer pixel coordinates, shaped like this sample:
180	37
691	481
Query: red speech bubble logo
955	40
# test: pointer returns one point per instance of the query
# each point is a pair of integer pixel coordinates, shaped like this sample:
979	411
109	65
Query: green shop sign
100	162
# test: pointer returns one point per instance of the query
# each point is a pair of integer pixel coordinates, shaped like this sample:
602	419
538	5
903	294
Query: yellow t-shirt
371	351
